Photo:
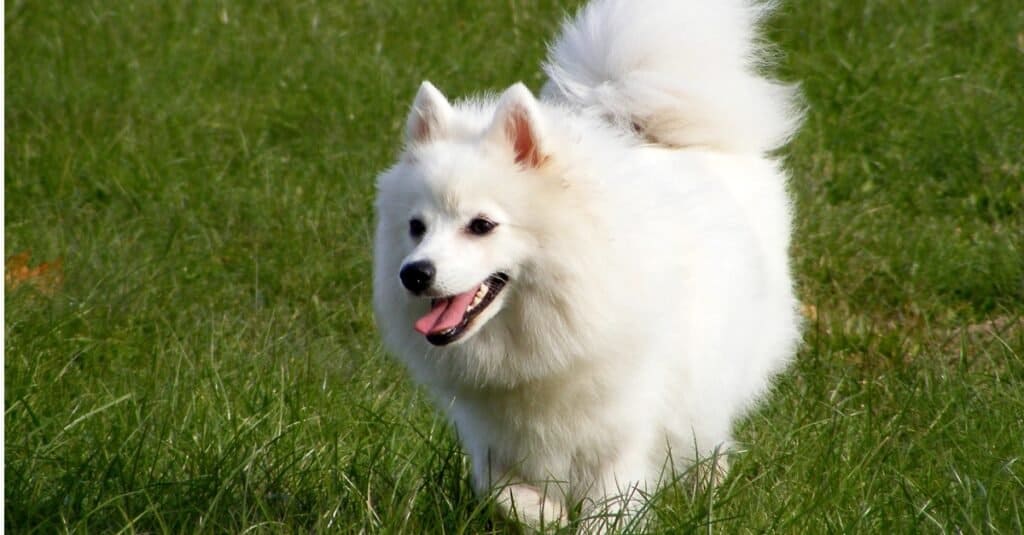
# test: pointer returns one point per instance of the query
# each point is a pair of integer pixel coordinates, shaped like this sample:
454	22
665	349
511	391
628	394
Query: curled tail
683	72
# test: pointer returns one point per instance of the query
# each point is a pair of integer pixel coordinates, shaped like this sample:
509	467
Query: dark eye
481	226
416	228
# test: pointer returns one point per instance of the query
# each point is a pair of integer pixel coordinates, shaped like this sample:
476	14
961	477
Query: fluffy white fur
644	229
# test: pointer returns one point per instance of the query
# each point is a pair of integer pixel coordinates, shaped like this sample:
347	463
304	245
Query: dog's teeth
480	294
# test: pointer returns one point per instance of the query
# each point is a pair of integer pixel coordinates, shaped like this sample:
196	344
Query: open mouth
450	317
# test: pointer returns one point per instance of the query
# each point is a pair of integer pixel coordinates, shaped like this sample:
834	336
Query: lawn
203	357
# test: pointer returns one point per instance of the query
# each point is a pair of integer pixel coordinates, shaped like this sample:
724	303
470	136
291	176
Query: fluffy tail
682	72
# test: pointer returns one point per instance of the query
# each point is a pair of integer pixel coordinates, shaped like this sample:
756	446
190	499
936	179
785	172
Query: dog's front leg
530	504
538	506
619	497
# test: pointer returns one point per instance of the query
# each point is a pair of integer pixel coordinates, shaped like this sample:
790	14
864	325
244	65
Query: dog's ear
517	124
429	116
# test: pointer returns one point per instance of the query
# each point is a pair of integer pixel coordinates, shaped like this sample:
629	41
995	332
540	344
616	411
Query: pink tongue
445	314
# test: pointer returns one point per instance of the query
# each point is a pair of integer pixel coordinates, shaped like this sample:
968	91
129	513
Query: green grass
205	171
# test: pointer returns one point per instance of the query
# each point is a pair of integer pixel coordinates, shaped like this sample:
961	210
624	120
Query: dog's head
453	235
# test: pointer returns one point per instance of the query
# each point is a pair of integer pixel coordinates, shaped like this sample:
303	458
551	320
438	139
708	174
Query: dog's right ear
517	125
429	116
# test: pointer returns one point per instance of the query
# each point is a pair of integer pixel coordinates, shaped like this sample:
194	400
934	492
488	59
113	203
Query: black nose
417	276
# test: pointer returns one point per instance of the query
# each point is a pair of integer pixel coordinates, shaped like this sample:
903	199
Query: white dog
595	285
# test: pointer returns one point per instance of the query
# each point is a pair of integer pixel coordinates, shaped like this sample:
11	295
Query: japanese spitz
594	284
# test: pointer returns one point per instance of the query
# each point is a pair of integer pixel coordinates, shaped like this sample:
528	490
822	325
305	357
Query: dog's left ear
517	124
429	117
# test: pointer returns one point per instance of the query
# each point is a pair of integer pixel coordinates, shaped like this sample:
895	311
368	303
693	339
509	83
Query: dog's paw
612	514
531	506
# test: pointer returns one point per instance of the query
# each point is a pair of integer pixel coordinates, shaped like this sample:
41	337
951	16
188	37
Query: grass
209	364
